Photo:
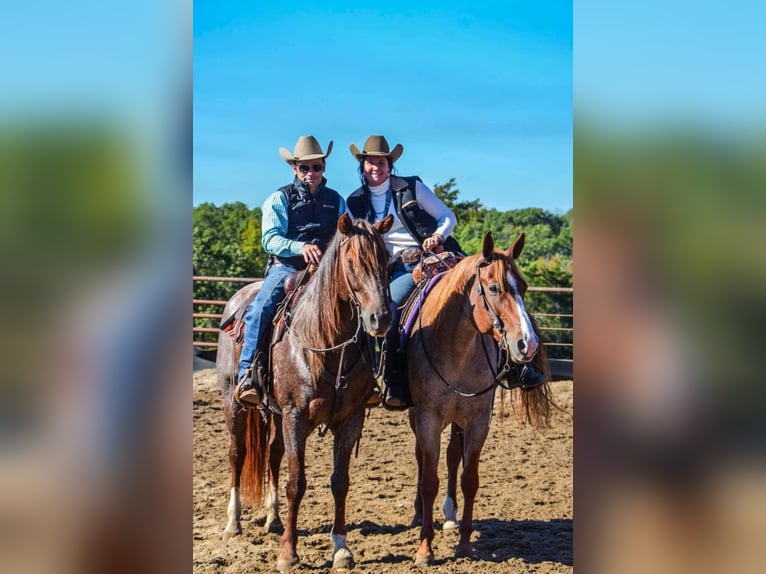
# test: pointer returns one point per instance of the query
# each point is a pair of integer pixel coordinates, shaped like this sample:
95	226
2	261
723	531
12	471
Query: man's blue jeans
261	311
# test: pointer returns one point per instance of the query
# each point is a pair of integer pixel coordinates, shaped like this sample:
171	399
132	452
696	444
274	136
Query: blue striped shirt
274	226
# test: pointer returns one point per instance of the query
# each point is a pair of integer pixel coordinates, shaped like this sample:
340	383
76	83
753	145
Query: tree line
227	242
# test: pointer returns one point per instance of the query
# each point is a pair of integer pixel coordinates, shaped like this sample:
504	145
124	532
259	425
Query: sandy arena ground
522	517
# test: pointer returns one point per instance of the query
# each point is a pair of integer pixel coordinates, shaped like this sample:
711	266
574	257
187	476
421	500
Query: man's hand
311	254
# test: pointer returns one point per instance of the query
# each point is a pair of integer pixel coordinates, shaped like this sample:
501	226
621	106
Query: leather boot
247	393
396	397
396	393
529	376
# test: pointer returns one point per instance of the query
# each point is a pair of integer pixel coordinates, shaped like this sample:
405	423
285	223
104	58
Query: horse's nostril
522	346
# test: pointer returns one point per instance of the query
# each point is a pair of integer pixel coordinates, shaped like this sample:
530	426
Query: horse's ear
345	224
488	246
515	250
384	224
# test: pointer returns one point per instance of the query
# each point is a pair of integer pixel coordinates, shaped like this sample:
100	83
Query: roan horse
322	375
472	324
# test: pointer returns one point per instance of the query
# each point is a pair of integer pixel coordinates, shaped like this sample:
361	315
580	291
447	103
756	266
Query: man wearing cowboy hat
299	220
421	222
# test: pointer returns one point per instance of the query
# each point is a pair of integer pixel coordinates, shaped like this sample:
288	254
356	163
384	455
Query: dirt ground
522	516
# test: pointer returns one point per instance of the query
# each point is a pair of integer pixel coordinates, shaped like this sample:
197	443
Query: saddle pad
434	264
234	326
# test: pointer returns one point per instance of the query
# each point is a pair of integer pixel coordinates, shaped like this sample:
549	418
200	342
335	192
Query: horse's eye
494	288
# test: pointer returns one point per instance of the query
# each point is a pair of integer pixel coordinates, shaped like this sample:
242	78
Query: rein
502	352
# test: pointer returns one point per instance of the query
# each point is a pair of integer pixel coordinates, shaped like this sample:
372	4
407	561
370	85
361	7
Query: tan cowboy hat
306	148
377	146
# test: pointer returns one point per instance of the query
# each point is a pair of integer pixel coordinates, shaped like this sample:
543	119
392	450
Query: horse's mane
318	316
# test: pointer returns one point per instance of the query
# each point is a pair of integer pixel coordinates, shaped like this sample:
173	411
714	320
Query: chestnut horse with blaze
472	326
322	371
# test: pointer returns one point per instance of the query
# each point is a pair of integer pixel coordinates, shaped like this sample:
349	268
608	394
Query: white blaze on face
528	332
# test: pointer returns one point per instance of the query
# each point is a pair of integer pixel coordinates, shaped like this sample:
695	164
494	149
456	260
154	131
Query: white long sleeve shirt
398	238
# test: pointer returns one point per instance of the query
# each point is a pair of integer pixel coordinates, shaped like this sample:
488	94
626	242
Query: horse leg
236	422
473	441
276	452
295	432
345	436
427	436
454	456
417	518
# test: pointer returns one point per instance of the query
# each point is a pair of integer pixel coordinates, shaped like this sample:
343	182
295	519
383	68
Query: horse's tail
254	475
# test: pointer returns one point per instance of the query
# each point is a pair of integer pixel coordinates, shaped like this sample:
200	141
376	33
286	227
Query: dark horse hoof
274	527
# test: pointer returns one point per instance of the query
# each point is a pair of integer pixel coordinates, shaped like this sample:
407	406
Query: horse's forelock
372	251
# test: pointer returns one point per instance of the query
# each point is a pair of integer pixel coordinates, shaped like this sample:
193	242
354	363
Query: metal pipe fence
558	338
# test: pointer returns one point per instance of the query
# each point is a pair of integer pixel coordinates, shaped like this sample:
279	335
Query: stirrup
247	392
375	398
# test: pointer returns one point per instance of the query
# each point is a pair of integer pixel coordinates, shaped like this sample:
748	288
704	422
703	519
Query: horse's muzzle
377	323
524	348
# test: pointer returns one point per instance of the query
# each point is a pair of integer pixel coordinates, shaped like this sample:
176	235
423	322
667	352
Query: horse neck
321	316
450	311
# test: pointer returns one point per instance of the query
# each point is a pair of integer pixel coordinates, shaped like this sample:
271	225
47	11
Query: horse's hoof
342	559
426	560
417	520
464	551
274	527
449	525
286	565
230	532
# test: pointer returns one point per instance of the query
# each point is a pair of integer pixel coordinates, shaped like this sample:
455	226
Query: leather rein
503	363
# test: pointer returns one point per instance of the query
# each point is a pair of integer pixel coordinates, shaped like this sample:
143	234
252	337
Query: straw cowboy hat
306	148
377	146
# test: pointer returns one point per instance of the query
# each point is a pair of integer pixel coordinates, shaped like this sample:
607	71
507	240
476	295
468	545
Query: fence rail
209	316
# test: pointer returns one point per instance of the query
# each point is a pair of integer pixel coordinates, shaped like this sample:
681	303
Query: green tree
546	260
226	243
465	211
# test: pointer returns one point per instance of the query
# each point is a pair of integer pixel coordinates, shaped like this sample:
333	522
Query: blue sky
657	62
478	91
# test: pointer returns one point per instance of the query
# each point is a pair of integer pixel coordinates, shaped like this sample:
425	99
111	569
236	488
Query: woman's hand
434	243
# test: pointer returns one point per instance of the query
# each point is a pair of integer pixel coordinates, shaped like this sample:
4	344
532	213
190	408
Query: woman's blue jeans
401	286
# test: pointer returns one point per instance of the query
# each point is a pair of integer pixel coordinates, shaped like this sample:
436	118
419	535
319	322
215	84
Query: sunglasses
305	168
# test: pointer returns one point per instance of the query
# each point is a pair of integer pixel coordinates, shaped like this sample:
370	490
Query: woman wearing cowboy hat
421	222
299	219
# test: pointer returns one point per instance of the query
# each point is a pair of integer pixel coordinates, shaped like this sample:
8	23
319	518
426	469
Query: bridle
503	362
356	306
497	323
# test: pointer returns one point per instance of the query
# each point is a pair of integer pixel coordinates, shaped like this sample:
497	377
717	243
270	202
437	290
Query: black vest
419	223
310	218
